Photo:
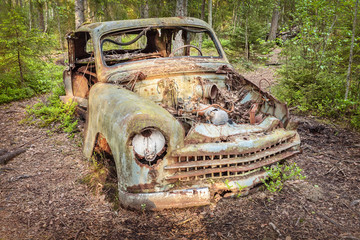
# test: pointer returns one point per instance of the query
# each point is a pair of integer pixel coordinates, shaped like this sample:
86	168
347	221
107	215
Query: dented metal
180	128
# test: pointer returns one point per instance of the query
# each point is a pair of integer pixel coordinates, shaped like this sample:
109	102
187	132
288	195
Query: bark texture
145	9
40	8
79	13
210	13
274	23
181	11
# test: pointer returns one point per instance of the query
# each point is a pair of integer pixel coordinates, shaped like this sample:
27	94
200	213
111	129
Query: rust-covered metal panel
180	127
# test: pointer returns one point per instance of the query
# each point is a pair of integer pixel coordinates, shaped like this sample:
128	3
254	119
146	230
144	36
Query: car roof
100	28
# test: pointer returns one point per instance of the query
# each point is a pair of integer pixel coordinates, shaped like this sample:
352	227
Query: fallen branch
183	222
273	64
275	228
14	179
78	233
329	220
4	169
4	159
350	237
7	156
329	171
3	151
354	203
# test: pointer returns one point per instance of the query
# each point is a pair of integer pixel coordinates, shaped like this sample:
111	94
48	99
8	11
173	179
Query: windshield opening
148	43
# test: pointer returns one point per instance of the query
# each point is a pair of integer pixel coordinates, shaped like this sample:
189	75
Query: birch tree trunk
348	82
30	14
210	13
181	11
86	11
59	26
202	18
144	9
181	8
79	13
247	52
46	17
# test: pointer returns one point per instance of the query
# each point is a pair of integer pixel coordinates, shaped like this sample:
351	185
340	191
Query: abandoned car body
180	123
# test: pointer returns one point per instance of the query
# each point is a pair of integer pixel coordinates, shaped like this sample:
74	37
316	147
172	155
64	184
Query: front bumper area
165	200
183	198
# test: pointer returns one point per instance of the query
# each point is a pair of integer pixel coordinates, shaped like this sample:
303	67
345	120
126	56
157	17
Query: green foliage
316	61
54	112
25	69
279	174
239	187
143	207
227	184
265	47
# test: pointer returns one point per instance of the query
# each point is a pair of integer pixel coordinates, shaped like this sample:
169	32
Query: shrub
279	174
54	111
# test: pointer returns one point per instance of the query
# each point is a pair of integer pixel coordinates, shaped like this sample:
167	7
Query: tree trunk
30	14
86	12
46	17
40	7
20	66
210	13
88	16
203	10
181	8
348	82
79	13
21	75
202	18
247	52
274	23
59	27
326	40
180	11
235	16
144	9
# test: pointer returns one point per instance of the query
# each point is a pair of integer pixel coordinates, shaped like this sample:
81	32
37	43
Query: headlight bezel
155	149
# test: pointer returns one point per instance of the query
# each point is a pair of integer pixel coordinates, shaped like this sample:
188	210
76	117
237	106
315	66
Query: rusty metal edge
165	200
184	198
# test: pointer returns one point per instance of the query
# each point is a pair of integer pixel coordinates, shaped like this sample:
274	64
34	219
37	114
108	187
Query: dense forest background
319	39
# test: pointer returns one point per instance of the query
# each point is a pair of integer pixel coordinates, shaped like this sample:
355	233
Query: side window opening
84	71
192	41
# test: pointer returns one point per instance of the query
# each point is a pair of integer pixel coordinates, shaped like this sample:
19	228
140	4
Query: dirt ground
41	196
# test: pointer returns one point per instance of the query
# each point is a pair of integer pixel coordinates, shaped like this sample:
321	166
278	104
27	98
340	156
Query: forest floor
41	196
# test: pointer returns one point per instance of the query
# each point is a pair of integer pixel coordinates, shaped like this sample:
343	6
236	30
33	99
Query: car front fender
118	114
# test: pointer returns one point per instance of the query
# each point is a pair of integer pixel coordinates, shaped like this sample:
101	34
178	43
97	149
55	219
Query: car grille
190	168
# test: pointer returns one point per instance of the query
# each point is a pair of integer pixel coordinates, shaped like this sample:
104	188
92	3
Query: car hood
163	67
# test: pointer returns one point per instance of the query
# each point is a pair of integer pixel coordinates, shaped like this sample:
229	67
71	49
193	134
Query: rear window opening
148	43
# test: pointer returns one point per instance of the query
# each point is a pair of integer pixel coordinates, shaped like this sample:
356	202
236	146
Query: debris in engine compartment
227	106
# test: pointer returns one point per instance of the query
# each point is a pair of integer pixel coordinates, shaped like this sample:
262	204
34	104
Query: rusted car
180	123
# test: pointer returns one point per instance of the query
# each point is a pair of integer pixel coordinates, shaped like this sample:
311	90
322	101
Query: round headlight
148	144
